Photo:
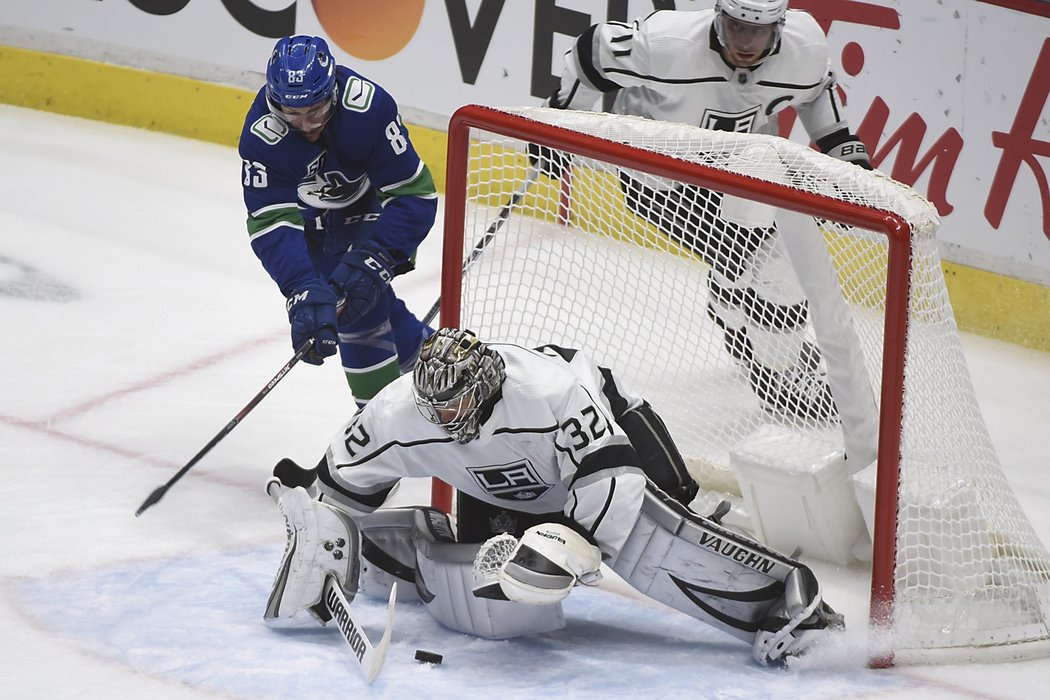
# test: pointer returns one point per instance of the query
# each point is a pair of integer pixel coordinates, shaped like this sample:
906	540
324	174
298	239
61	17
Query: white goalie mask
456	378
739	21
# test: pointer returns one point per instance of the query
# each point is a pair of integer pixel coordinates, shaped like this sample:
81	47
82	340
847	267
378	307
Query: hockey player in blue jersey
338	201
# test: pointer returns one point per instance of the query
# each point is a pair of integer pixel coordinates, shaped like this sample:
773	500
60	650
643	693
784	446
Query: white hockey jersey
549	445
669	67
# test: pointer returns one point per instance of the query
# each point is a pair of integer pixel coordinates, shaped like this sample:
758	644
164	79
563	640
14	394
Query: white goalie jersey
549	445
669	67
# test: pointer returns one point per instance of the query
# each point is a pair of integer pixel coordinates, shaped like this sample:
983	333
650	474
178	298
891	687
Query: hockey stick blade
370	656
158	493
501	216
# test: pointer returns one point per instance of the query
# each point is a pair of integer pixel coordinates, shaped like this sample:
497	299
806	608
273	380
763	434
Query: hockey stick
370	656
158	493
490	233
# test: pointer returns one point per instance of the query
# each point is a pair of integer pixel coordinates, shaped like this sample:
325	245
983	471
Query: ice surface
136	323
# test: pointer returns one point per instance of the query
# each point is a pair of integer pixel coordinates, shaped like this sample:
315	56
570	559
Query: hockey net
957	570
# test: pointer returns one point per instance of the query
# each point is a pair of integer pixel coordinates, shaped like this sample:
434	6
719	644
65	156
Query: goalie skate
798	622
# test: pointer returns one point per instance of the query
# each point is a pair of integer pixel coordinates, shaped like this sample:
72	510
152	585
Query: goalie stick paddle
370	656
490	233
158	493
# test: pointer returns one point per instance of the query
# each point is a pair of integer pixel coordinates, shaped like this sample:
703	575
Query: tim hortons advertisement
949	96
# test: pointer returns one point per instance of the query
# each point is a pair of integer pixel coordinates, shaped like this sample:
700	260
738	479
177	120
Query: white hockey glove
546	563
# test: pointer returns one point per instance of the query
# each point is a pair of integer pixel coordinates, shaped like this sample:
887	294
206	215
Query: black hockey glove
362	276
549	162
845	146
311	311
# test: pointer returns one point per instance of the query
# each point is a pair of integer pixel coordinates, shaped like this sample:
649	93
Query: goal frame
898	288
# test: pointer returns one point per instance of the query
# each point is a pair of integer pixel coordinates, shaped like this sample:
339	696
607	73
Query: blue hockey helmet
301	72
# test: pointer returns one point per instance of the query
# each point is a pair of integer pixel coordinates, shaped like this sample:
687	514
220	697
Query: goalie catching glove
546	563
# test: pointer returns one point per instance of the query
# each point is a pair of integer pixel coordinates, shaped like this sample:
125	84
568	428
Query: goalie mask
457	377
749	29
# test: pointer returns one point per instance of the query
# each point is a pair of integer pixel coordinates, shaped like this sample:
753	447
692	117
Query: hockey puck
428	657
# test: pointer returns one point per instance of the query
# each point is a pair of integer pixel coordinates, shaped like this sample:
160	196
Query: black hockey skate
801	390
735	340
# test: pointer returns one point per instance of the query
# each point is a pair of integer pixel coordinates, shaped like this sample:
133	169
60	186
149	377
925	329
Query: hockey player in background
589	474
731	68
338	201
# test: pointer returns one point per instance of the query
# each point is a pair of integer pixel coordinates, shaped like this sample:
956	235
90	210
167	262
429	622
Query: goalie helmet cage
957	571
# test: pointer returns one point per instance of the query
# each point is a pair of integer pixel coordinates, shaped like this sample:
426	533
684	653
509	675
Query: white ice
137	323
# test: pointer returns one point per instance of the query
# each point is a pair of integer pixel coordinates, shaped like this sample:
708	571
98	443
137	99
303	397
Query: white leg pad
702	569
388	553
445	582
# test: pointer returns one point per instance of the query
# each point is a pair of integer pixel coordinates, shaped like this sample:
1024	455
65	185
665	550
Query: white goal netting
645	272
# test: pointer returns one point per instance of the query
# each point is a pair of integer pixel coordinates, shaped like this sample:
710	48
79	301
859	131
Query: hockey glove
845	146
311	311
548	161
362	276
547	562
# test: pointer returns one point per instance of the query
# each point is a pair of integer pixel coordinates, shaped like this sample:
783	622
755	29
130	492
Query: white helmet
754	11
762	12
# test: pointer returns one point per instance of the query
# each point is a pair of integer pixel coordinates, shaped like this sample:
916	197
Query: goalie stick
370	656
490	233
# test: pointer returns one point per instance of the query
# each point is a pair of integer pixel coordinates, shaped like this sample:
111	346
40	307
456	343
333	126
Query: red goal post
486	160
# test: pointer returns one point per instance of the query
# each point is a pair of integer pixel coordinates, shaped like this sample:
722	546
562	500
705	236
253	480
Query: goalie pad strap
700	568
375	554
388	554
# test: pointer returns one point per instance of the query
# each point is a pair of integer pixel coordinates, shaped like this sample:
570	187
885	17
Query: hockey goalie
578	473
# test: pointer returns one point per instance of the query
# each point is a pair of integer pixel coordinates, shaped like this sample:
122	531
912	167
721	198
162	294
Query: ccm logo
378	267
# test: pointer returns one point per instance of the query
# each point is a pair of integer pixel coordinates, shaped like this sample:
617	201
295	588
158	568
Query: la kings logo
737	122
517	481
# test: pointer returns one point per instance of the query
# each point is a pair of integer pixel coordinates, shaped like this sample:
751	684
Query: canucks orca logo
333	189
517	481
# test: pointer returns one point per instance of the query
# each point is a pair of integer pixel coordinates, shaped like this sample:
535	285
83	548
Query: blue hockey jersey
362	180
